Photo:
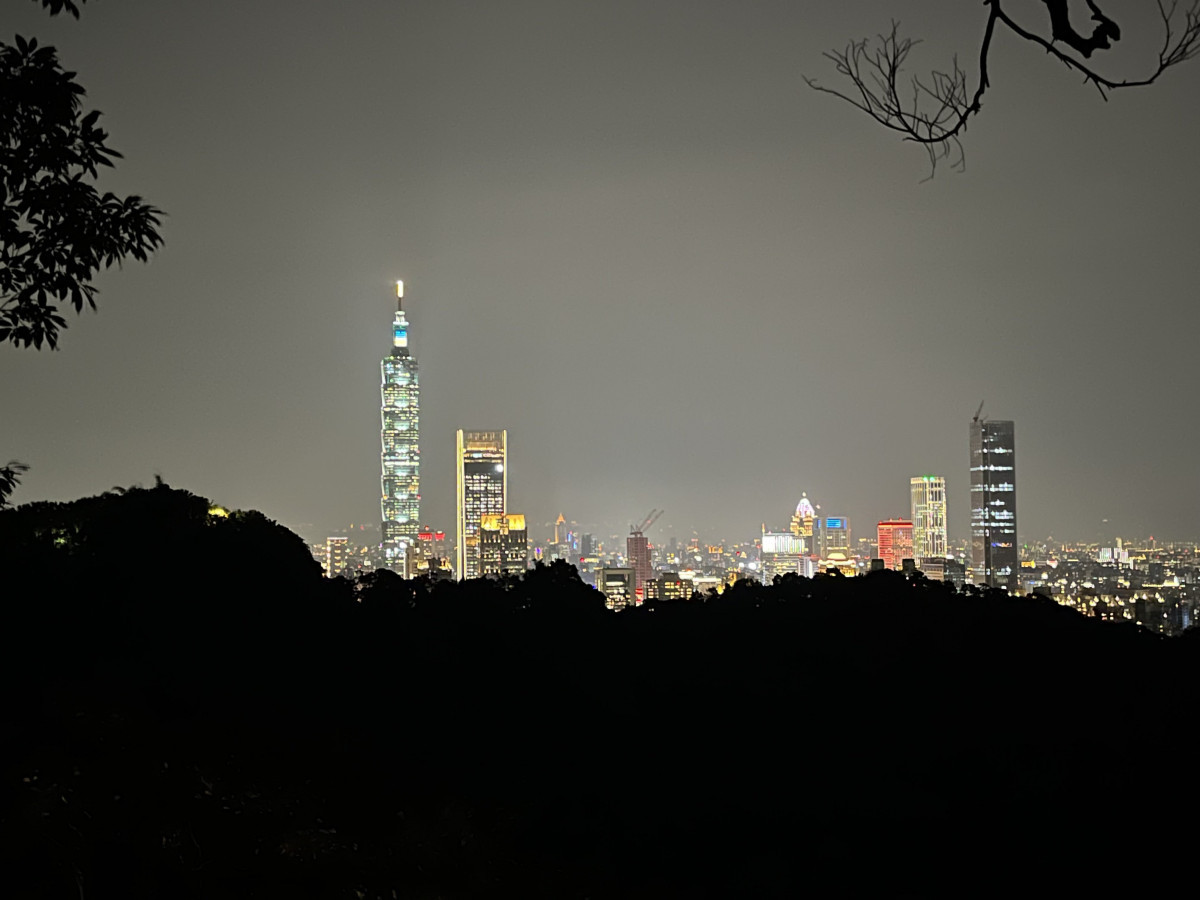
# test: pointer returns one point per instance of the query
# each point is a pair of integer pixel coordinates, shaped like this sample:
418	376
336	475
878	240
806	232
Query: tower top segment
400	324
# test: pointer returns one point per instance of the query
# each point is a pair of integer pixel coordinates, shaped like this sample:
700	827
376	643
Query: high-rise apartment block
895	539
503	545
929	518
994	504
401	439
482	467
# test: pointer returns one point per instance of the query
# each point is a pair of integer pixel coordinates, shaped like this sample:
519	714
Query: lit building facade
929	518
802	522
337	556
637	552
782	552
616	583
994	504
834	536
429	557
482	476
895	540
401	439
431	544
503	544
566	542
668	586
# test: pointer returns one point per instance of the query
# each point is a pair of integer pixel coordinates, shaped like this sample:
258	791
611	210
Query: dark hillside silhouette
190	710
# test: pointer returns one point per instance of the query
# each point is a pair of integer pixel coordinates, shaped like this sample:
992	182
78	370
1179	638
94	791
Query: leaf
56	230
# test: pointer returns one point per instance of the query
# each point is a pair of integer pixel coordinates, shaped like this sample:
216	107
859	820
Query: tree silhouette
934	112
10	477
56	230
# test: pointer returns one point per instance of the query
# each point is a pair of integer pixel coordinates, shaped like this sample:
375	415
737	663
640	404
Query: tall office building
929	517
802	522
833	535
637	552
503	545
895	542
994	504
482	464
401	438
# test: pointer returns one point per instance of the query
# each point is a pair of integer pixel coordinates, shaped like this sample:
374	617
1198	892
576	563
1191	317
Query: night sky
635	239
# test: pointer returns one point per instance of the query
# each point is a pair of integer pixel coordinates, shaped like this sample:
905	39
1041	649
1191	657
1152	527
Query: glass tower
401	439
929	517
482	464
994	504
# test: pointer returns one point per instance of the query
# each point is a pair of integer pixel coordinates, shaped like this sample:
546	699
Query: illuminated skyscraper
834	535
802	522
929	517
401	439
482	463
637	552
895	540
503	545
994	503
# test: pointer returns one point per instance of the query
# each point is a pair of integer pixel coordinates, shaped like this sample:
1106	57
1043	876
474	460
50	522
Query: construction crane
977	412
651	518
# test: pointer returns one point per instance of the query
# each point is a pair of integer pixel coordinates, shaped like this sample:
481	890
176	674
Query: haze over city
636	241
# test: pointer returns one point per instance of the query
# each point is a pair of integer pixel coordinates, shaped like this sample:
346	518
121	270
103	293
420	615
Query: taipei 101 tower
401	438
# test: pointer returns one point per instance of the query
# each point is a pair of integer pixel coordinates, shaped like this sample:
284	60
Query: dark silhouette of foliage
56	230
934	112
54	7
10	477
189	710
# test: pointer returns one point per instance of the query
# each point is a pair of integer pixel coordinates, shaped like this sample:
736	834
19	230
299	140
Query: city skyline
737	264
669	244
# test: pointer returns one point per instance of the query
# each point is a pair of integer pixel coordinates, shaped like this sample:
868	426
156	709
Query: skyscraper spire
400	324
400	504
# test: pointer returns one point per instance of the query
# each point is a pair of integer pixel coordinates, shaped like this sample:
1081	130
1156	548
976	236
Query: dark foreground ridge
190	710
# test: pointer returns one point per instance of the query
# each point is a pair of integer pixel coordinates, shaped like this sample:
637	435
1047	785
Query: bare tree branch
941	105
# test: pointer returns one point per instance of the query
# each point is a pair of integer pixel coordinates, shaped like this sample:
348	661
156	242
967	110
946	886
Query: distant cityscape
1151	584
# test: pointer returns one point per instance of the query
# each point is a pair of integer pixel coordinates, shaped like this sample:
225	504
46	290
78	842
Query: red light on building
895	541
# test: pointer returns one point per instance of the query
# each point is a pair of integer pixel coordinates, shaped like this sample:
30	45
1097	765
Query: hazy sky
635	239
